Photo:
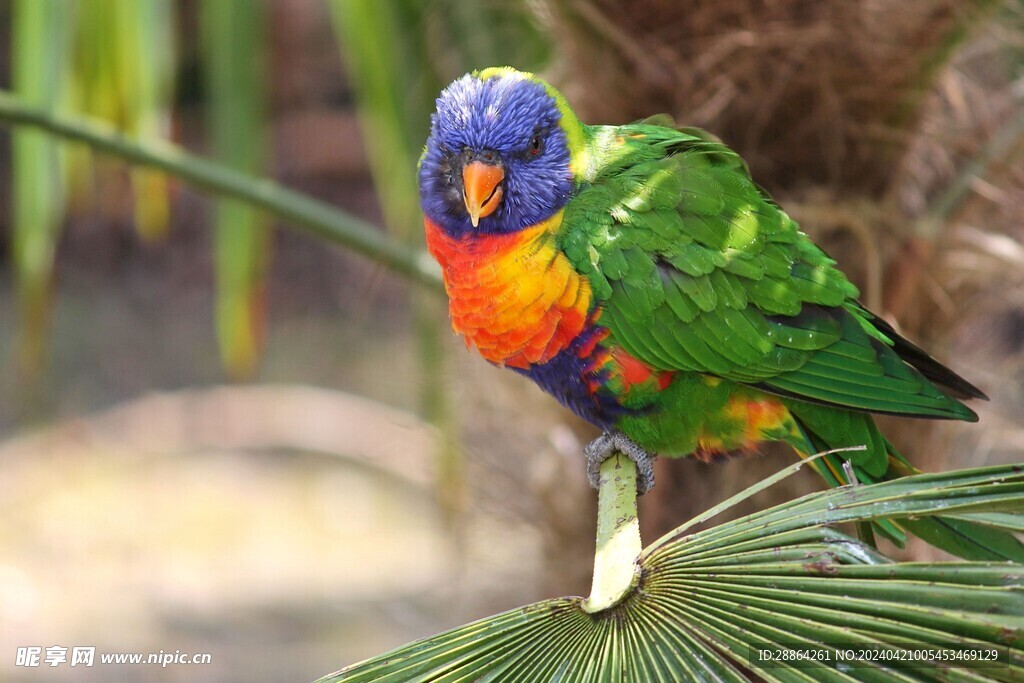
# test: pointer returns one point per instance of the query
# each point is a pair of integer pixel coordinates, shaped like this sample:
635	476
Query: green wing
699	270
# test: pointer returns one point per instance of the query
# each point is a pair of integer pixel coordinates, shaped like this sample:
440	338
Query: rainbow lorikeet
639	275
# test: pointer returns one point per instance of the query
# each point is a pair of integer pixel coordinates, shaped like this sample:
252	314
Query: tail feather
968	540
933	370
960	537
963	538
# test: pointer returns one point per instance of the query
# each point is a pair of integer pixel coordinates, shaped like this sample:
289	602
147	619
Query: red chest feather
515	297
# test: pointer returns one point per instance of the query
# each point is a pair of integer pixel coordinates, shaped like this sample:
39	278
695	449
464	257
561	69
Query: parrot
639	275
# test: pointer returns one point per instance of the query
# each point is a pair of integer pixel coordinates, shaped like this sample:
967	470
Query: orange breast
515	297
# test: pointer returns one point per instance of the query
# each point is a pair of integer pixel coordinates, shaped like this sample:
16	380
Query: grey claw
609	443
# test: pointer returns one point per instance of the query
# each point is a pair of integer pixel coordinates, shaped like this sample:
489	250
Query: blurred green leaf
233	34
40	33
395	86
489	33
122	71
151	31
778	579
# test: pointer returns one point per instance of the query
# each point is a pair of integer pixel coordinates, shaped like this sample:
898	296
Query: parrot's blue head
498	156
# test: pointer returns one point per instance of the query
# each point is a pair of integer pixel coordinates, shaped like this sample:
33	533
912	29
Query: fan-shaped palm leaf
711	604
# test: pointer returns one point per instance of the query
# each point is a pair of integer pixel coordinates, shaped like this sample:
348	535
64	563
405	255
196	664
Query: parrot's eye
535	145
447	167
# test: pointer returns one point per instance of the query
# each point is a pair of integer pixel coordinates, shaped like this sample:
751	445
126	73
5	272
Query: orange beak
482	189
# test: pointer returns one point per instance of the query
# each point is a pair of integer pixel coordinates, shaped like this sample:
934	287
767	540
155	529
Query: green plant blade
151	45
783	580
233	39
122	71
39	40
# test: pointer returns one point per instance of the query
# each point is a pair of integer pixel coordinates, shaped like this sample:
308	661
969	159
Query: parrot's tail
963	538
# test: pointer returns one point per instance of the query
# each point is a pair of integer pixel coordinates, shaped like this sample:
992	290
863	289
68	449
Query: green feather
730	293
702	194
773	296
743	264
696	259
699	290
681	306
613	264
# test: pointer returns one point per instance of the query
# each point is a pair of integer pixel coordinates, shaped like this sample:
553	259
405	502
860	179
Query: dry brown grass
809	91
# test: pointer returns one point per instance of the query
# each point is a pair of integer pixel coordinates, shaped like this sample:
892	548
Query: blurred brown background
366	480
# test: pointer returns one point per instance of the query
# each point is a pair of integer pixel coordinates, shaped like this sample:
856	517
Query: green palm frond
709	603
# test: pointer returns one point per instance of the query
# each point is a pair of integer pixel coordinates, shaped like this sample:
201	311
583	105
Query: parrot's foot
609	443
